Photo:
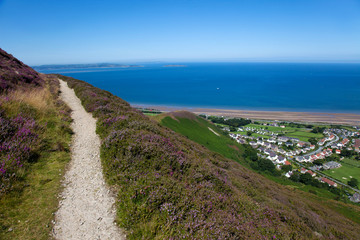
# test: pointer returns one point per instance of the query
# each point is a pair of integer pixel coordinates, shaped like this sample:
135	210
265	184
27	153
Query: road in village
322	174
321	148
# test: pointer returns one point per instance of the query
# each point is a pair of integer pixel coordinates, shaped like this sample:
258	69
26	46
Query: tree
346	153
319	162
305	178
353	182
318	130
249	133
286	168
266	165
295	177
232	129
312	140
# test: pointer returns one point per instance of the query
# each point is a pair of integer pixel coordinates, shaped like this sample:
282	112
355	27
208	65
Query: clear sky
89	31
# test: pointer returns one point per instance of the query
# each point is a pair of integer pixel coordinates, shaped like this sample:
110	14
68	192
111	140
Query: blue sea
246	86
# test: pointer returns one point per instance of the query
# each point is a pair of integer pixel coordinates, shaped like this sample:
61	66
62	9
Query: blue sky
79	31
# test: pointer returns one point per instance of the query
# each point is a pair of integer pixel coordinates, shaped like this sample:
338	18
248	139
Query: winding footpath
86	208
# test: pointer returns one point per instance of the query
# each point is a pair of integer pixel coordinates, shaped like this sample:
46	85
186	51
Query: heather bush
18	140
171	188
22	126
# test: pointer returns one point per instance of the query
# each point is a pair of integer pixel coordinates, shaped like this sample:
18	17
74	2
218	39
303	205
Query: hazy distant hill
83	66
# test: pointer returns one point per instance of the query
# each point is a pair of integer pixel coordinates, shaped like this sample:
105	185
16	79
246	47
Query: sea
296	87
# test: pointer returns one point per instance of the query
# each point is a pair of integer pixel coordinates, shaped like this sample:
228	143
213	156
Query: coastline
308	117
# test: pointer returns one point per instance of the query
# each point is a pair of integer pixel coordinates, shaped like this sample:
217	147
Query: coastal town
317	157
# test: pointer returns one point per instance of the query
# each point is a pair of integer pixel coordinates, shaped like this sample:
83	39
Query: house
288	174
312	147
253	144
338	151
301	144
355	197
311	173
282	126
272	156
331	165
303	170
281	159
322	141
334	145
287	163
288	144
307	158
357	145
331	183
345	141
283	139
331	137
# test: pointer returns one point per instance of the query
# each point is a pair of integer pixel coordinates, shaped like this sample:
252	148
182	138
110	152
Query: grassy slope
27	210
169	186
197	129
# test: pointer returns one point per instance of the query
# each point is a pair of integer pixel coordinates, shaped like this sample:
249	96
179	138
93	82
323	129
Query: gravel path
86	208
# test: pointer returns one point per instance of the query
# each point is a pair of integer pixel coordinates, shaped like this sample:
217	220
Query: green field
151	114
197	129
351	162
303	135
299	133
344	172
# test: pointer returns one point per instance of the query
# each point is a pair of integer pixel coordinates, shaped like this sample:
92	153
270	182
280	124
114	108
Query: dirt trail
86	208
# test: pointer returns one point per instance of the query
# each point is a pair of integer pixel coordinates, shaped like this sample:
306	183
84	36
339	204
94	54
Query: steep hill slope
201	131
15	74
171	187
34	149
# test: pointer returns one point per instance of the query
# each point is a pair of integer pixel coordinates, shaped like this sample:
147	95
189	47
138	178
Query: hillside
15	74
169	186
201	131
34	149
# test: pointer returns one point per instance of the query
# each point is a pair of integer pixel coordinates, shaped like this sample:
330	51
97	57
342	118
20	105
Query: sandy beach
308	117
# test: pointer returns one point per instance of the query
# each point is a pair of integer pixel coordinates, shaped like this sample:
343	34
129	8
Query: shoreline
308	117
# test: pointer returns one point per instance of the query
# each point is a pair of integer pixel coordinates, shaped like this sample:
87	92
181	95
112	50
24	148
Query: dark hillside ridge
14	73
171	187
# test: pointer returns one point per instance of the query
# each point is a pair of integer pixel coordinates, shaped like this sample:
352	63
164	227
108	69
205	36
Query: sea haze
249	86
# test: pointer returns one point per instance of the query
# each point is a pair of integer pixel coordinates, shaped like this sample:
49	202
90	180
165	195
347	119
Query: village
315	158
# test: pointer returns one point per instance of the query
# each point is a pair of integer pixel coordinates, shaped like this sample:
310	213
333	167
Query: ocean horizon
293	87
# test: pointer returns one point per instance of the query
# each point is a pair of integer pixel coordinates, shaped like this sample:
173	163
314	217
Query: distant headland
174	65
83	66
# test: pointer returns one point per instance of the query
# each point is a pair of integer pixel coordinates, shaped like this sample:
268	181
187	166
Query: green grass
151	114
198	131
345	171
26	212
351	162
299	133
304	135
